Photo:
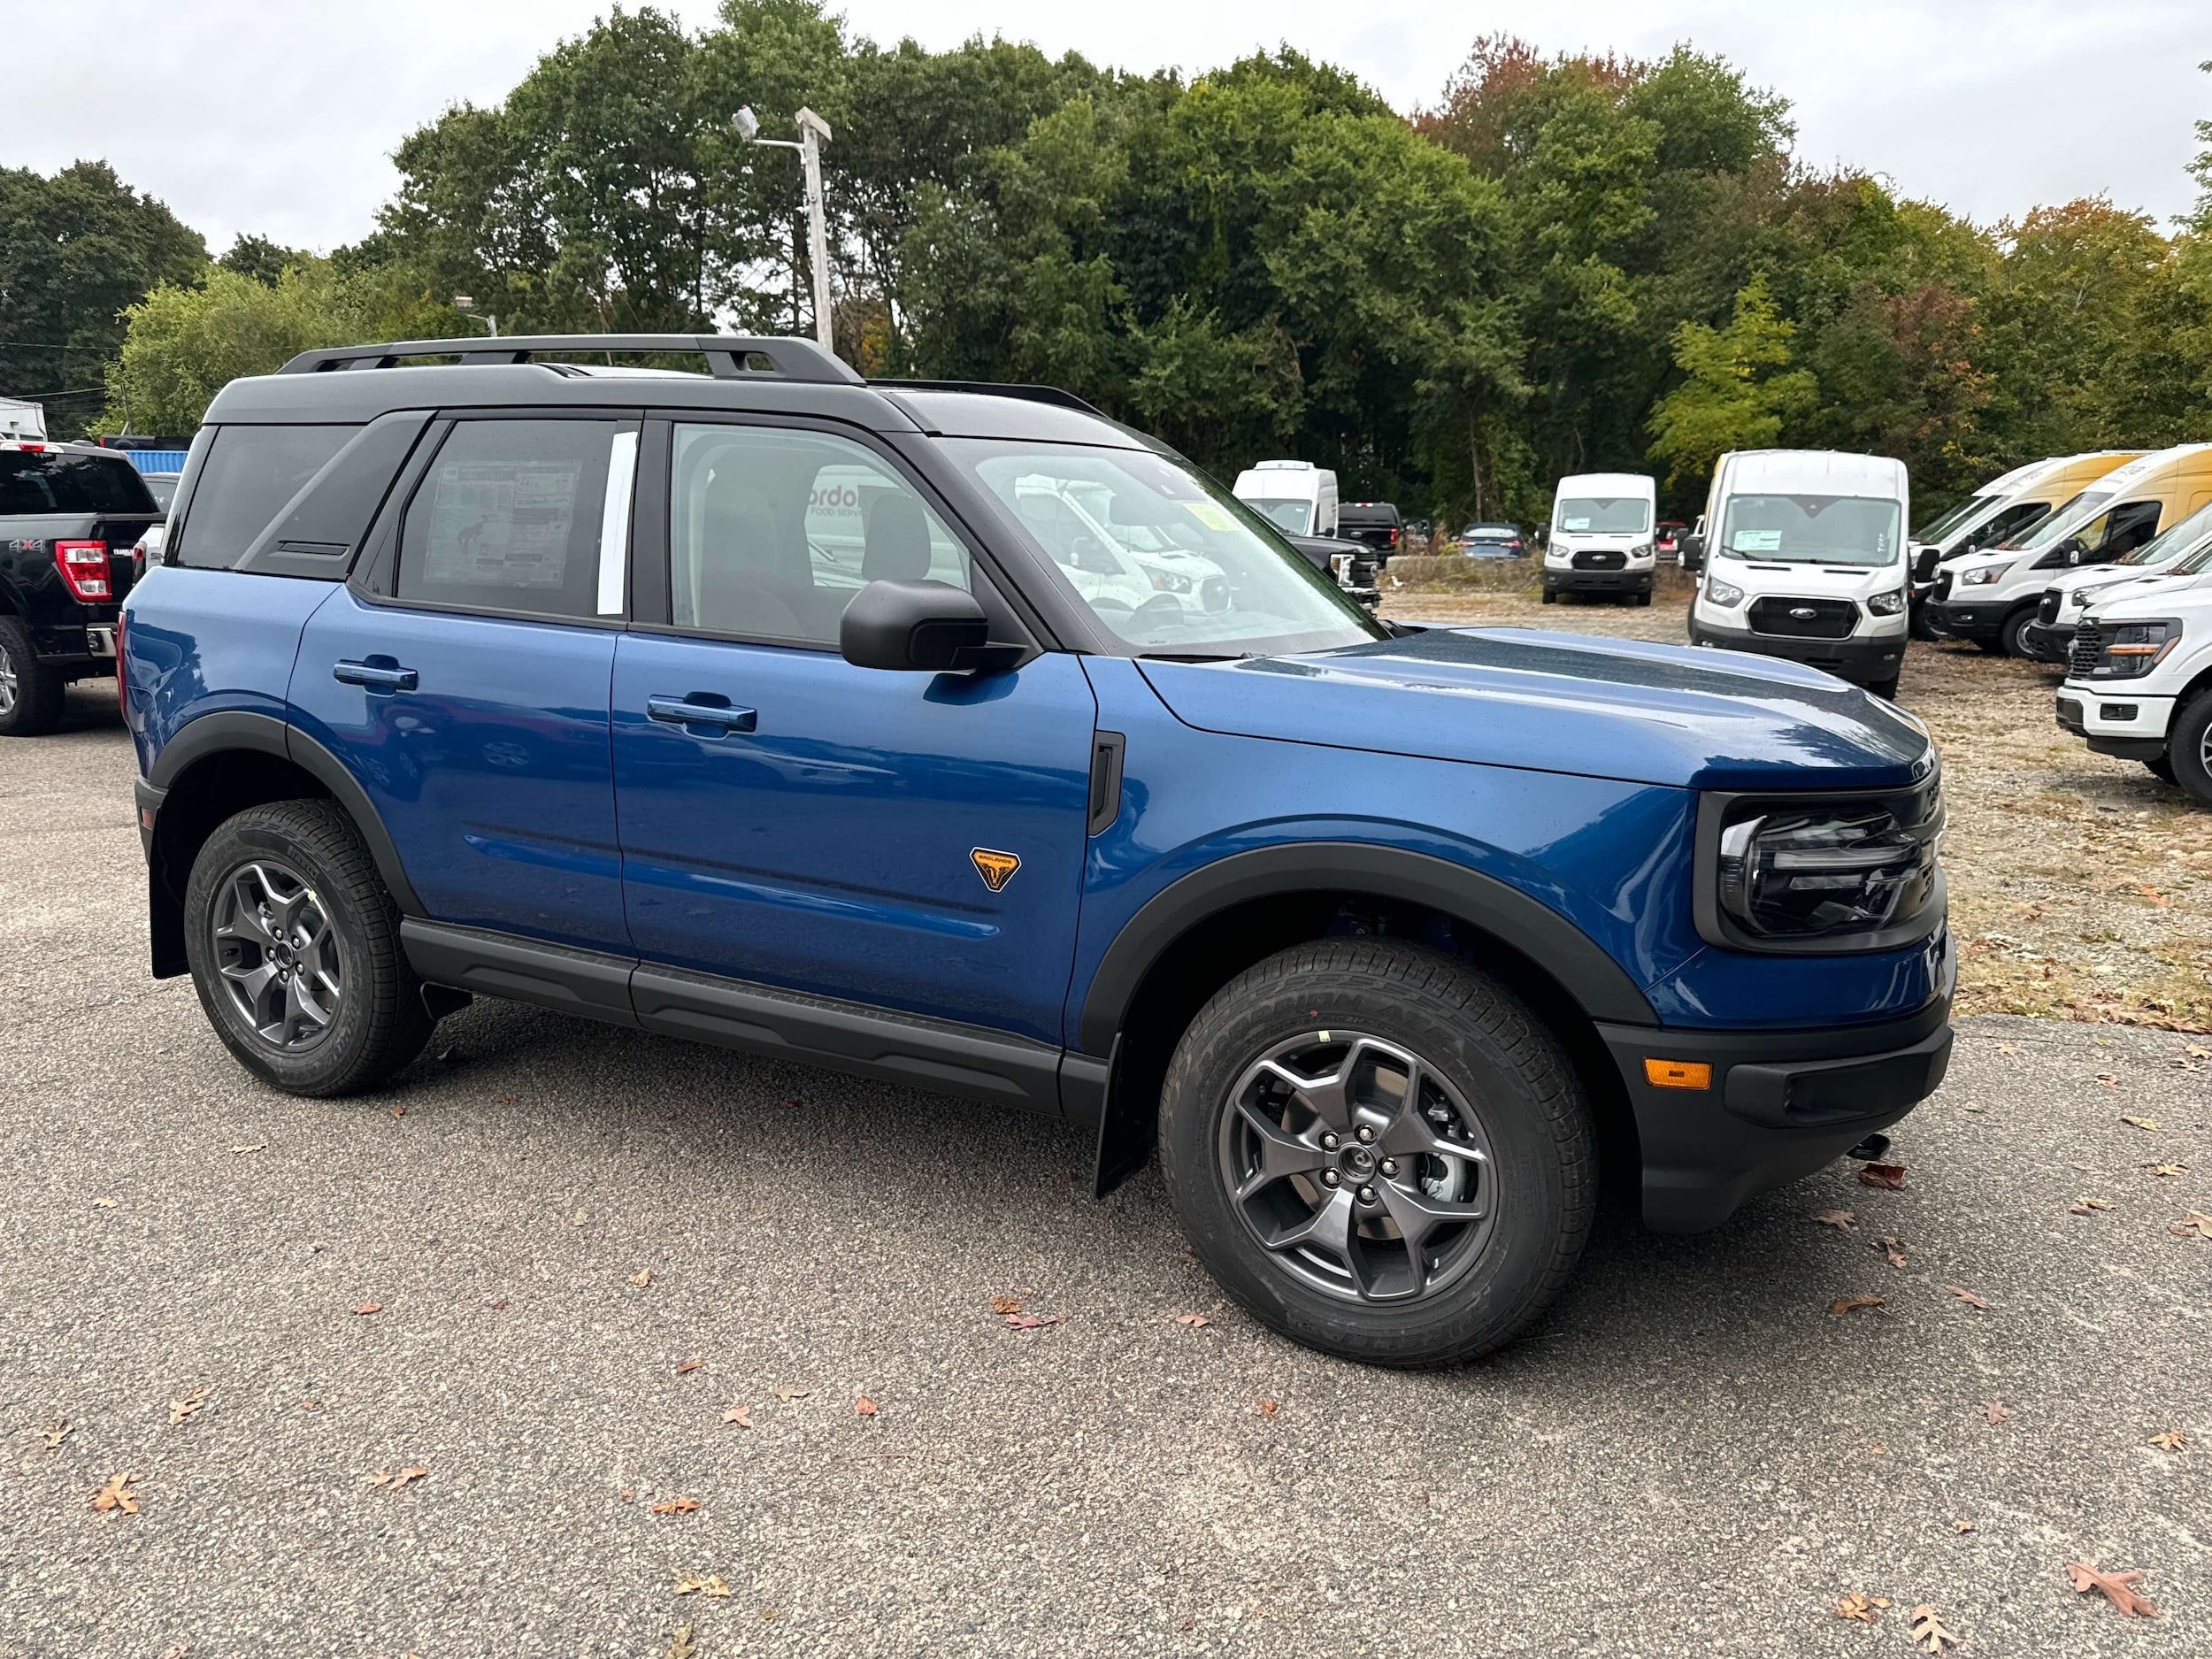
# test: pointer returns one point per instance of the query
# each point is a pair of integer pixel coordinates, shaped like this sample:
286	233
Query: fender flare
1600	984
232	729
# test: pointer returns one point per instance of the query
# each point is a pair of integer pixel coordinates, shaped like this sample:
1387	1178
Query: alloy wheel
7	682
1361	1169
276	952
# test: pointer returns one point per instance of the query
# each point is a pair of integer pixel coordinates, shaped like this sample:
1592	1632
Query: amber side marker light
1678	1073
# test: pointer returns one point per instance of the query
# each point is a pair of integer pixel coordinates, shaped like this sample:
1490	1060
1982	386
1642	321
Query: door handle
377	674
684	713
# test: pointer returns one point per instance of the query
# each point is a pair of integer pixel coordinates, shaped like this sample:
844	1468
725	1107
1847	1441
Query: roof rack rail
995	388
729	356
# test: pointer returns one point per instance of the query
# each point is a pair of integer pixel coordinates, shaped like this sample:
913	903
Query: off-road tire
2187	743
35	706
380	1022
1469	1030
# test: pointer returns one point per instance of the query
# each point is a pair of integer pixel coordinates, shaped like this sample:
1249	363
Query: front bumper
1863	659
1571	580
1780	1103
1973	619
2115	720
2049	642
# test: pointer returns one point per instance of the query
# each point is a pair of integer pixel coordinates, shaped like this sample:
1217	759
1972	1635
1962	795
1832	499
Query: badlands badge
996	869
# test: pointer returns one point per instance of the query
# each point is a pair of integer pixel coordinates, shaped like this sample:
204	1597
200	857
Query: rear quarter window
35	481
251	474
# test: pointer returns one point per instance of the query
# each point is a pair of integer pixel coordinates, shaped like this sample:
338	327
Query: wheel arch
1204	929
219	764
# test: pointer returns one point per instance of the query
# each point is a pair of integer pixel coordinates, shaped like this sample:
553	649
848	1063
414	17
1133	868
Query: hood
1565	703
2170	597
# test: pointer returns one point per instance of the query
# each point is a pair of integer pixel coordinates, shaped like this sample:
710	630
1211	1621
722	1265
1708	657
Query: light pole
466	305
814	131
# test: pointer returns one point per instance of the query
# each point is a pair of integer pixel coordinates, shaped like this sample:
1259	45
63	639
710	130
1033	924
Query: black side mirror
926	625
1690	550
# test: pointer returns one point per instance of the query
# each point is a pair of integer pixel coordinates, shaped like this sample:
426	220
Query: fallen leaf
257	1147
683	1367
1860	1606
642	1278
2088	1206
579	1218
1891	1176
1842	1305
58	1430
2116	1588
2172	1441
1928	1632
794	1100
704	1584
1967	1296
1006	1304
177	1650
2193	1226
1269	1407
413	1472
742	1416
1194	1320
788	1391
497	1304
310	1405
1962	1526
117	1495
2008	1047
1877	1449
105	1203
1034	1321
675	1506
2140	1123
2197	1051
2168	1169
1839	1219
864	1407
680	1645
1995	1411
369	1307
181	1410
1892	1250
2110	1080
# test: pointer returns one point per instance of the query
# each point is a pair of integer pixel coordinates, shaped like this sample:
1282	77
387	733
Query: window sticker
1757	542
1576	523
502	522
1212	515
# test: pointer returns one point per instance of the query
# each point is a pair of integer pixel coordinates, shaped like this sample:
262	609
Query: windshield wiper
1194	657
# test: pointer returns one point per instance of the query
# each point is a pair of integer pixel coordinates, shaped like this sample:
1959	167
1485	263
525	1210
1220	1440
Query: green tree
75	250
260	258
1740	391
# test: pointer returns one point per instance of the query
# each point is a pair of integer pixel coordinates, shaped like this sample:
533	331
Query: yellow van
1989	597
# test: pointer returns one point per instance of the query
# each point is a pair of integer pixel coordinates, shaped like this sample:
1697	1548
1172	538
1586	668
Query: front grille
1828	618
1943	586
2088	650
2047	611
1601	560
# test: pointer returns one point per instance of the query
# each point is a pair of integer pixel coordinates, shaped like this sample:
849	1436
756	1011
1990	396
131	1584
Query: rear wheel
2189	749
294	946
1378	1152
30	692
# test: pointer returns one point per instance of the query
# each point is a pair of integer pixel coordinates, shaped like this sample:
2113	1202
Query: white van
1805	558
2005	508
1601	539
2050	637
1296	496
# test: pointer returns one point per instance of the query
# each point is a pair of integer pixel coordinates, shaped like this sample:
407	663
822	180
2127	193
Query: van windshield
1973	506
1602	515
1293	516
1811	529
2179	542
2061	524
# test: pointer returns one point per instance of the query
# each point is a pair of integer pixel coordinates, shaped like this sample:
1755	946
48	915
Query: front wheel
1886	689
294	946
2012	636
1551	598
2189	749
1380	1152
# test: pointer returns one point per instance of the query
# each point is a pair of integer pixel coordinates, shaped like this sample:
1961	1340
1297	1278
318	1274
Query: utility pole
814	131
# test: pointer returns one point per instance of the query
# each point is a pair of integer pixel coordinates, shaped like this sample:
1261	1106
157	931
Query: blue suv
959	735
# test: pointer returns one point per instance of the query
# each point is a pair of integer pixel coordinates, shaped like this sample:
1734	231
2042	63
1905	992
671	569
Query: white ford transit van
1602	531
1297	496
1805	558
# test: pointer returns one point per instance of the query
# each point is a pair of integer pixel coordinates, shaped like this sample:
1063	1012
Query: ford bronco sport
816	717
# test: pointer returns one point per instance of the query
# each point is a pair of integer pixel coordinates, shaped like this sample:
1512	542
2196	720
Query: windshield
1811	529
2197	563
2069	517
1972	507
1296	517
1172	563
2174	543
1602	515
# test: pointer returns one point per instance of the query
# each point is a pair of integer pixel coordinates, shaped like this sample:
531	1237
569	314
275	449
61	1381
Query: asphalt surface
1691	1455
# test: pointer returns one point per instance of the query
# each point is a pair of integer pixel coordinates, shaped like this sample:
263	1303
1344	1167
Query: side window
2126	528
249	476
2009	523
772	531
517	517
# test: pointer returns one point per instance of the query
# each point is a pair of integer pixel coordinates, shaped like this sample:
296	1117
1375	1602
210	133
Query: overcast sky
249	115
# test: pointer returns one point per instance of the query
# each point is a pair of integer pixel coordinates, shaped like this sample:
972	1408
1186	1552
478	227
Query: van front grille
1804	619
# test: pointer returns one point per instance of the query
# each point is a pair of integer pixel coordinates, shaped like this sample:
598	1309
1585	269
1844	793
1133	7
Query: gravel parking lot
544	1267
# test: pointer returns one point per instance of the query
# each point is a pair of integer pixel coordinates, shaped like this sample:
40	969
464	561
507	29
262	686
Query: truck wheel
1886	689
1643	599
2189	749
294	946
30	692
1378	1152
2162	768
2012	634
1551	598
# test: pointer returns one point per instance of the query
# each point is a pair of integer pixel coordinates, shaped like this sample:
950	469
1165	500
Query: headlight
1641	551
1169	582
1824	874
2123	650
1724	593
2081	596
1886	604
1983	577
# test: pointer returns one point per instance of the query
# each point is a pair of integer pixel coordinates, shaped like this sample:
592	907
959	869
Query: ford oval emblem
1803	613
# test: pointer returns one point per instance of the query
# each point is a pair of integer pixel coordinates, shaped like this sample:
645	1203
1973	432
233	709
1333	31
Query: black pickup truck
70	514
